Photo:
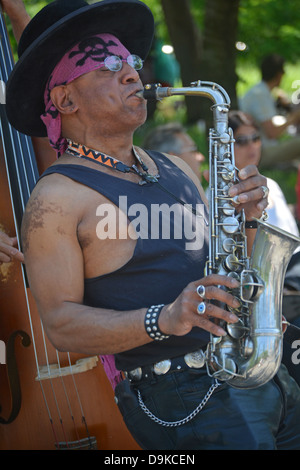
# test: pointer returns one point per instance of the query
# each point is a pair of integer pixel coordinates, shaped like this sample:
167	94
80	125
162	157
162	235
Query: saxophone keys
225	138
228	209
229	245
248	347
237	330
251	286
236	290
230	225
224	370
228	171
232	263
229	369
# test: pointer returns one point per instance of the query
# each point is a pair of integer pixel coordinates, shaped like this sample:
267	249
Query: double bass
48	400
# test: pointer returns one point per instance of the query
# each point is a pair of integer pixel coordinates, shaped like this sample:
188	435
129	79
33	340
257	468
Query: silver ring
264	216
201	291
265	191
201	308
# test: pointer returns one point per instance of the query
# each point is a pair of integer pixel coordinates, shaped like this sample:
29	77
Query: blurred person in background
259	103
172	138
248	147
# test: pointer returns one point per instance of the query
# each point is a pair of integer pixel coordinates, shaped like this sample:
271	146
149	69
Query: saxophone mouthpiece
140	94
153	92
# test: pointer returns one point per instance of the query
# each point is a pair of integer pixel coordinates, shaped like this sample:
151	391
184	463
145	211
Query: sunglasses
114	63
244	140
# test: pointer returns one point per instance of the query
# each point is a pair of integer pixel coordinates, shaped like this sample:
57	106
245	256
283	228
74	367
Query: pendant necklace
82	151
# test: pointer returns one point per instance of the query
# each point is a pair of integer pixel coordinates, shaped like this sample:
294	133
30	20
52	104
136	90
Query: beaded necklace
82	151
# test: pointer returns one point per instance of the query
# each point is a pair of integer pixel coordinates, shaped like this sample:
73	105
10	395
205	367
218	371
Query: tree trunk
185	37
208	57
218	60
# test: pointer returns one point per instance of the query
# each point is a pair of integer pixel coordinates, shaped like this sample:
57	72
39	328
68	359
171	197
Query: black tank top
168	255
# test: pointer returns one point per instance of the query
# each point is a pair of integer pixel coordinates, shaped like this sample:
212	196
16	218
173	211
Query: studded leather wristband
151	323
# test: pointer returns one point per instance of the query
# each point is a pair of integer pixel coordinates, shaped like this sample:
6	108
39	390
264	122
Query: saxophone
250	354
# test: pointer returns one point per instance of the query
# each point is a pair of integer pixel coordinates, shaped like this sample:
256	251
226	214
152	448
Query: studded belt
193	360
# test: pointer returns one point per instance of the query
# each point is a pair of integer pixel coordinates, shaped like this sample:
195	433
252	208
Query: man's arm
15	9
55	268
273	131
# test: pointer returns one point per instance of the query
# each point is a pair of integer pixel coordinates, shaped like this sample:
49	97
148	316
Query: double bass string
66	395
80	404
26	168
25	174
22	192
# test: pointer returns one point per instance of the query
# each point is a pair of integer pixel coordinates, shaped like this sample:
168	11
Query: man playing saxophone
109	275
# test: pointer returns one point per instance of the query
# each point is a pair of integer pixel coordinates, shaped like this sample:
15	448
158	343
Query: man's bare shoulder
52	193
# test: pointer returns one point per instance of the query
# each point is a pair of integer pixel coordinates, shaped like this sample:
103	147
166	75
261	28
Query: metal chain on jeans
185	420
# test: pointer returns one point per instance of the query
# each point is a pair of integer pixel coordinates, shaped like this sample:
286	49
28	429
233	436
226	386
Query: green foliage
34	6
198	9
265	26
268	26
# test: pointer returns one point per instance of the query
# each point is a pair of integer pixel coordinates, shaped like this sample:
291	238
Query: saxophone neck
210	90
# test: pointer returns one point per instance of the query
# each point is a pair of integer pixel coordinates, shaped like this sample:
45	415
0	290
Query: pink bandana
86	56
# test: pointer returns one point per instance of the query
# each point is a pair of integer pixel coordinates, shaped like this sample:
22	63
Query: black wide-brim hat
55	30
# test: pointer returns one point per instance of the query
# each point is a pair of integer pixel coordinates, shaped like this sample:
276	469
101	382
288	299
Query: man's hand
250	193
8	252
181	316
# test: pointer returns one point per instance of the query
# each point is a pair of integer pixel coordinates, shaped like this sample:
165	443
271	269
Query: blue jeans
265	418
